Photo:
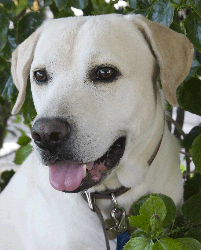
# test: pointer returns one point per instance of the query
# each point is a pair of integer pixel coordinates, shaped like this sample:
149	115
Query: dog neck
136	162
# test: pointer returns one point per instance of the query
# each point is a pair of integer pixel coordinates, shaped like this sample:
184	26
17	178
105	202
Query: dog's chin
73	177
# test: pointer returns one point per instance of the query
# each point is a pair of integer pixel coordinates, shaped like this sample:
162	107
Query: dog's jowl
100	126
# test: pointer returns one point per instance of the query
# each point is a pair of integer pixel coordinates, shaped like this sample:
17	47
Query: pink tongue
66	177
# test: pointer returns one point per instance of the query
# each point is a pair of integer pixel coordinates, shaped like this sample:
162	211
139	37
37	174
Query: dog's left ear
21	62
22	58
173	51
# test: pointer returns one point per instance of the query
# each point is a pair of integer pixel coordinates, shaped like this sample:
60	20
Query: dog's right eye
104	73
40	76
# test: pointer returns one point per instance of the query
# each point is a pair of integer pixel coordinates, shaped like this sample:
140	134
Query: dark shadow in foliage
5	178
192	186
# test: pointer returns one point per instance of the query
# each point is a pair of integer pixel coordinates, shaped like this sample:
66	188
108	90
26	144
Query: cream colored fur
34	216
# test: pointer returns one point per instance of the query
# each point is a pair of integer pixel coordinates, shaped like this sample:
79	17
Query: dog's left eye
40	76
106	74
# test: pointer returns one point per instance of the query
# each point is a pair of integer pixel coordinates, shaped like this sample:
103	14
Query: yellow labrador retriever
100	126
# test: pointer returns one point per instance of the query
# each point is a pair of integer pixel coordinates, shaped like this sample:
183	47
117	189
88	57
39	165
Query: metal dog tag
111	230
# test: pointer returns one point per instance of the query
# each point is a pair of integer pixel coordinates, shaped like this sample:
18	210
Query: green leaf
152	215
22	4
18	118
9	88
171	209
21	131
170	206
10	46
100	6
192	26
4	65
162	12
135	210
7	175
143	7
47	2
23	140
61	4
191	209
167	244
192	186
30	2
189	95
157	246
138	243
28	24
194	233
188	140
143	12
140	221
155	224
80	4
4	25
4	76
133	3
176	27
139	233
182	168
7	3
194	67
22	153
189	244
196	153
196	5
198	56
154	206
143	4
28	109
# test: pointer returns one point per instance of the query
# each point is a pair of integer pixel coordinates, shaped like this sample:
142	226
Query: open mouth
74	177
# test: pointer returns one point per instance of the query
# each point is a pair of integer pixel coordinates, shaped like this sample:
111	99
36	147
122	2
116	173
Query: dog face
93	82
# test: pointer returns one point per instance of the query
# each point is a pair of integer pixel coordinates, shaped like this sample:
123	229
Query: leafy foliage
192	25
152	233
161	12
192	186
154	215
189	95
196	153
5	178
25	148
191	209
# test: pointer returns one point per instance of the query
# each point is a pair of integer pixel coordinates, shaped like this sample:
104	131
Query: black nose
48	132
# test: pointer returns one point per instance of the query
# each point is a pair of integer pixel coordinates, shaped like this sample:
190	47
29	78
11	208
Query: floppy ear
21	61
173	51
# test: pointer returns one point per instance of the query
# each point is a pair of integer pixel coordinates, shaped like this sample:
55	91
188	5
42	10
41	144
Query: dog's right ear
21	61
173	52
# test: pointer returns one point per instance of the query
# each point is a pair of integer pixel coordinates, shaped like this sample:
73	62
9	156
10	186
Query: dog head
93	85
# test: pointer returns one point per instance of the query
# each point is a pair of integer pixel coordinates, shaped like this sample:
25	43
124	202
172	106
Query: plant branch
177	126
188	165
179	121
10	153
186	174
186	154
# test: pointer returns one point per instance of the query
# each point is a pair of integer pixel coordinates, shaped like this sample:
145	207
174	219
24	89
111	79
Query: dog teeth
84	171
